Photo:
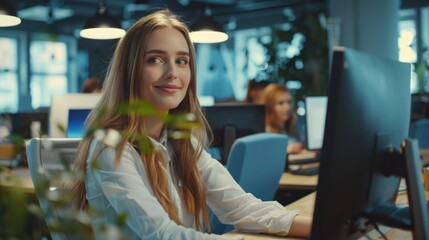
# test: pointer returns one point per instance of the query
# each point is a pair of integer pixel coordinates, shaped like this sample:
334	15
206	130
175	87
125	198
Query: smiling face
166	69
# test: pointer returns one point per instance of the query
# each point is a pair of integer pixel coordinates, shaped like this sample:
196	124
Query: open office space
357	70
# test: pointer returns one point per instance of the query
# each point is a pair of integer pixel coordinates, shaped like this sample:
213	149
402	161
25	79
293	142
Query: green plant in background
19	142
13	202
64	219
420	70
298	51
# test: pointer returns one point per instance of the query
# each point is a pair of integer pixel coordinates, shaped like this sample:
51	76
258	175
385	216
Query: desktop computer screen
362	159
76	122
315	115
229	122
22	122
59	110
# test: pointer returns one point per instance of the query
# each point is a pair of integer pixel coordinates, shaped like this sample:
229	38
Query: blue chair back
256	162
420	130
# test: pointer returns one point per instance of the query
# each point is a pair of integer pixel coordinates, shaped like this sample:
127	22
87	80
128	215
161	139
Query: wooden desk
290	181
19	177
424	153
306	206
287	181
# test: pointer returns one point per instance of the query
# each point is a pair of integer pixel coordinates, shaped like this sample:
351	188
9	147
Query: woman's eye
155	60
182	61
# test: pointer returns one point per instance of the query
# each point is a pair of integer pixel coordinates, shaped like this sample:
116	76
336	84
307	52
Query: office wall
368	25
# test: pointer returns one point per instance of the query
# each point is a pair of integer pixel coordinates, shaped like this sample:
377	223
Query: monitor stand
229	136
415	218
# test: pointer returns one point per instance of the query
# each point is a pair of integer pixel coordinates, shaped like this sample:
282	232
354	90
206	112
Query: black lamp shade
8	15
102	25
103	20
206	23
207	30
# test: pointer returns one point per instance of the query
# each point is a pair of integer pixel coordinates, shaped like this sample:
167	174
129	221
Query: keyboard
303	158
308	171
392	215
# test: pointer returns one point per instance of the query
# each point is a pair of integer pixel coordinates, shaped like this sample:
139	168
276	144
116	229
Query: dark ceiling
68	16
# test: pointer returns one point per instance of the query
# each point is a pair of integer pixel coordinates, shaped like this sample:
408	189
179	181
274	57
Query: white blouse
126	189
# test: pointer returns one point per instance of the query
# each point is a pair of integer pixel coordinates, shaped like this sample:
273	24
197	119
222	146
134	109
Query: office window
8	75
48	61
407	41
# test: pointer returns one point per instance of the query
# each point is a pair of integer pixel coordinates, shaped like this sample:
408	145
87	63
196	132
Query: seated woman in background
280	117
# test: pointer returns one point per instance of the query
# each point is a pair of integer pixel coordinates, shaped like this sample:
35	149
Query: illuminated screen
76	122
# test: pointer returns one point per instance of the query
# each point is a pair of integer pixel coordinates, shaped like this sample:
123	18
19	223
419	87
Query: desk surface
306	206
290	181
18	177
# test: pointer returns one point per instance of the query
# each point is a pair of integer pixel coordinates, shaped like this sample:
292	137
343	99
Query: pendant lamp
8	15
207	30
102	25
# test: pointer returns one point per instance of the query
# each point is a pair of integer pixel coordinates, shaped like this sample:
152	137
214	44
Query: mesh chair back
47	159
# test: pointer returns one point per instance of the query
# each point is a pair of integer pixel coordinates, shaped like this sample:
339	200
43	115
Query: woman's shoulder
102	149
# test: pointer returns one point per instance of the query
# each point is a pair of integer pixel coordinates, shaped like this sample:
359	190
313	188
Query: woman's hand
301	226
295	147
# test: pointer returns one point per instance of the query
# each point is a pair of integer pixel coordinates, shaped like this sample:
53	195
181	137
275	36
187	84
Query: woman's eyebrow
159	51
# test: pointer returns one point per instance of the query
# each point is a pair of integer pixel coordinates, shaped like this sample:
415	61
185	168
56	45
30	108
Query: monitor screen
22	122
229	122
368	111
76	122
315	115
61	104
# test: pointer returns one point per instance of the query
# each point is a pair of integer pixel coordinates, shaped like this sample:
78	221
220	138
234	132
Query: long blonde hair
270	96
123	85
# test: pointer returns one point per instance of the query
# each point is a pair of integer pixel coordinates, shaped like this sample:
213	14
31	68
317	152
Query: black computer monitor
368	113
21	123
315	115
229	122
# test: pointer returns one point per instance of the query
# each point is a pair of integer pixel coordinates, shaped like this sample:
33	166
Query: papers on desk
299	156
9	162
302	158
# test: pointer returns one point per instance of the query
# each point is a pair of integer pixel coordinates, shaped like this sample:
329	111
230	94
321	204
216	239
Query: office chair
256	162
47	159
420	130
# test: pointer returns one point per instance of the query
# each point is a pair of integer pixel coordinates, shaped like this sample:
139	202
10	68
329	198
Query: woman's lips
169	88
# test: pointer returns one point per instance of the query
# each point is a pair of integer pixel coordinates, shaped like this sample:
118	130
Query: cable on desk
361	227
378	229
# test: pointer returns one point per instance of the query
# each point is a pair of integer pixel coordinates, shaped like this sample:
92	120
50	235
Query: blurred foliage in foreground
21	216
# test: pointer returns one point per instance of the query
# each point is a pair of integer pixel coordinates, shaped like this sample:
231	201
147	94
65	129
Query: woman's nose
170	71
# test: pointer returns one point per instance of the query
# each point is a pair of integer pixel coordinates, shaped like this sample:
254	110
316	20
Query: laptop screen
315	121
76	122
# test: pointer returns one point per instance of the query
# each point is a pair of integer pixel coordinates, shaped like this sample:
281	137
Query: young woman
280	117
165	194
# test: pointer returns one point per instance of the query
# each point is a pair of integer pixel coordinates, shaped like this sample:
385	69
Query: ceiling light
102	25
207	30
8	15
